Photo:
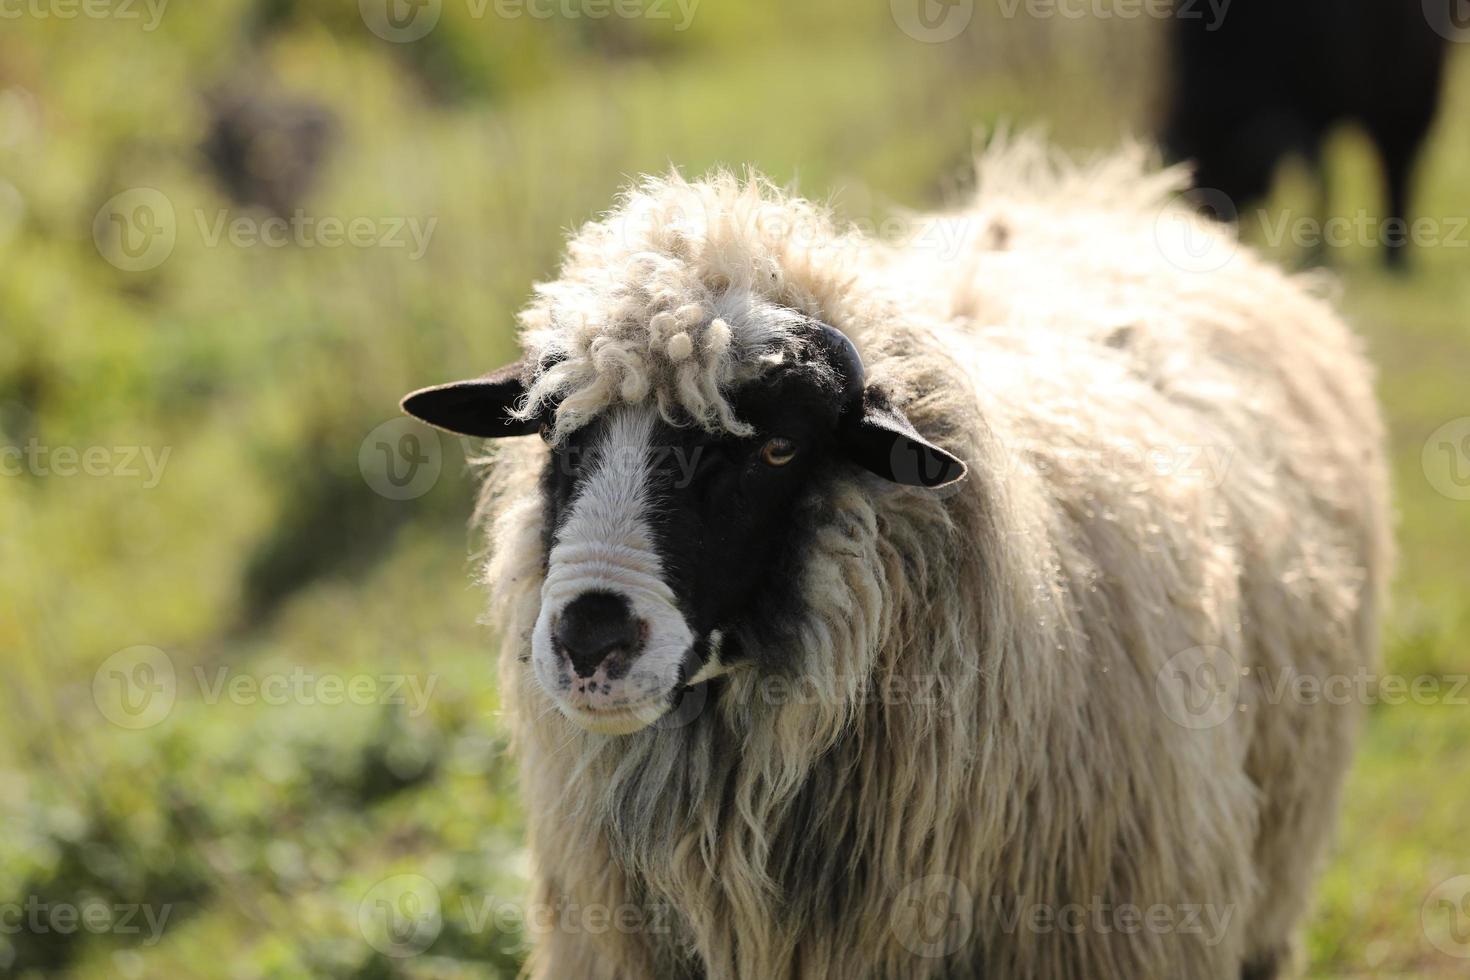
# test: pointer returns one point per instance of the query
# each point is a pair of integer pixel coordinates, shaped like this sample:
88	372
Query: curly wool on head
681	293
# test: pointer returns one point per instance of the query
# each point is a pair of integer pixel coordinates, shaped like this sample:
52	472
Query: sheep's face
672	554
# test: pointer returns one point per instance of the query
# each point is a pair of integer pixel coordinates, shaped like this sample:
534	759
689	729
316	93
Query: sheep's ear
477	407
881	439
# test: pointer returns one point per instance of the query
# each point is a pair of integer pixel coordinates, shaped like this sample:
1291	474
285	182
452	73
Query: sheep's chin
619	721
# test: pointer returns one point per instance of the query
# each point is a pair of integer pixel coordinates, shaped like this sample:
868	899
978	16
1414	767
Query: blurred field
260	826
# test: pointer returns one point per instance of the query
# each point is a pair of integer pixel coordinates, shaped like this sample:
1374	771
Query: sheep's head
670	549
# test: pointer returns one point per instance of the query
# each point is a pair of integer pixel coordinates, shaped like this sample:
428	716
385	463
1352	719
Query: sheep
1269	79
863	613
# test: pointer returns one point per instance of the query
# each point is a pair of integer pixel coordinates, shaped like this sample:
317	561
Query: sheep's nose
593	627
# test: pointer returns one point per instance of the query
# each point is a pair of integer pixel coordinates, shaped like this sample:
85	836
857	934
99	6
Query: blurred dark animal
265	151
1266	79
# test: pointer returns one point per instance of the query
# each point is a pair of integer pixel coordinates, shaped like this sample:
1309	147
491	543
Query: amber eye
778	452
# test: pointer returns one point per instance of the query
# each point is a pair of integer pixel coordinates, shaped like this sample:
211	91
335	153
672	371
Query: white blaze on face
605	545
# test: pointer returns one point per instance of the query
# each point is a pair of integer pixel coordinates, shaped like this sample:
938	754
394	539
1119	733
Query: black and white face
672	553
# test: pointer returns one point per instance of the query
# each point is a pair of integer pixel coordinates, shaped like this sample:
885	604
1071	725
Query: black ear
881	439
478	407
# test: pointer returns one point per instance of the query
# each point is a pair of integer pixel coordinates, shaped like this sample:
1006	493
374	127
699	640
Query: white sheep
816	706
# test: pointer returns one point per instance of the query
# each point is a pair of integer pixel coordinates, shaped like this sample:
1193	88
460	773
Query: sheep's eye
778	452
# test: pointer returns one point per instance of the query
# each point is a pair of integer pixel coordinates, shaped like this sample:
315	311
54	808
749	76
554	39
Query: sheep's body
1168	470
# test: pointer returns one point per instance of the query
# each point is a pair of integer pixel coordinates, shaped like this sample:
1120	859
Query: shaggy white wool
683	292
1177	481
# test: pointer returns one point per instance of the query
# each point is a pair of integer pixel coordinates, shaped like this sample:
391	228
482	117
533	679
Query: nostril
595	626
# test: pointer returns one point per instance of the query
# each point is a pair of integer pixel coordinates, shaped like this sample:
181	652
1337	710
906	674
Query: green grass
263	828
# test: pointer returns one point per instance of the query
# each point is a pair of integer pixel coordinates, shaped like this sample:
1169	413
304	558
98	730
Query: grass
261	554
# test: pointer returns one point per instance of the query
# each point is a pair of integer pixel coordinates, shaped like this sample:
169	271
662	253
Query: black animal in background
1260	80
266	150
